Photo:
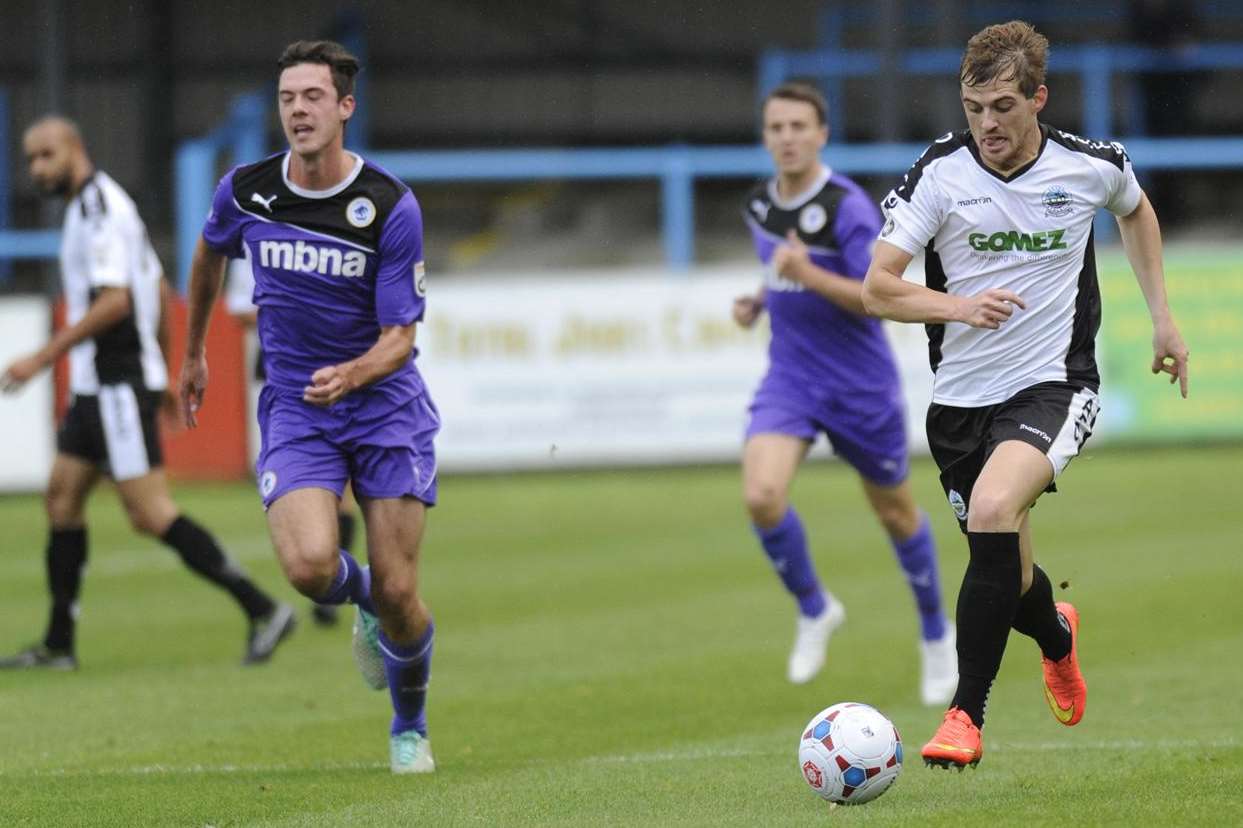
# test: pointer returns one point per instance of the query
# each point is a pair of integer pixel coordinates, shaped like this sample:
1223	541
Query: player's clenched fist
747	309
990	308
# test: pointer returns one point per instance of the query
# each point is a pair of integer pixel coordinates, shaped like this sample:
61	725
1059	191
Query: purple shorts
867	431
384	450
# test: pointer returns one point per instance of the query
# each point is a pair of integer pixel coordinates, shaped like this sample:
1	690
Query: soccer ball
850	753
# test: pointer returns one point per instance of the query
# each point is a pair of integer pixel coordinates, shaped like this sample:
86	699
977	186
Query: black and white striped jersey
105	245
1030	233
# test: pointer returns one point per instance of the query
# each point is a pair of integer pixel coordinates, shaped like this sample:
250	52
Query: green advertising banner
1205	285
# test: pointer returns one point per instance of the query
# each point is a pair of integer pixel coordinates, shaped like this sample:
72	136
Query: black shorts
117	430
1055	417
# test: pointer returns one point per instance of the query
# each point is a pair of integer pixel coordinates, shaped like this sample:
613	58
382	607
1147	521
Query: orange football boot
956	743
1064	687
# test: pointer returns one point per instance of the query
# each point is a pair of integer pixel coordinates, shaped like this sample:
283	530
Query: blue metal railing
678	167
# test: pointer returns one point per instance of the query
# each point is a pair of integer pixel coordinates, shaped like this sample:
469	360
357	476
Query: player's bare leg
303	527
69	485
325	615
910	533
769	463
152	512
394	534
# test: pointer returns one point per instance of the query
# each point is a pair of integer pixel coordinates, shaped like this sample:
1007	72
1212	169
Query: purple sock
351	583
786	546
917	555
408	667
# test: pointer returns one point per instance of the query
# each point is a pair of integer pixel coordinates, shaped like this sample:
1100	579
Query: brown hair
342	64
1012	51
800	91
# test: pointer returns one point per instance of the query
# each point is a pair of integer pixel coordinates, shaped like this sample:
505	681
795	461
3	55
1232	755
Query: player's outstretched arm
109	307
887	295
206	273
390	352
1141	239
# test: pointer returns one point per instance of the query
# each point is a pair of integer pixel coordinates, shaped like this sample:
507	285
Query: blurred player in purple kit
831	371
336	245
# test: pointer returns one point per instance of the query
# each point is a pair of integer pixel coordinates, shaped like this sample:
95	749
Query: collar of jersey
975	153
331	191
803	197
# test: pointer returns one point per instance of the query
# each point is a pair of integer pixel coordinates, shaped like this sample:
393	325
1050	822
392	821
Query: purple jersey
817	345
331	267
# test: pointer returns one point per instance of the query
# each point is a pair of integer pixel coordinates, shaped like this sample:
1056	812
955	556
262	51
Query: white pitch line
650	758
196	770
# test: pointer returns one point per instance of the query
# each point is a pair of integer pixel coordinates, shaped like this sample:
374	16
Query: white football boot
411	753
938	668
811	641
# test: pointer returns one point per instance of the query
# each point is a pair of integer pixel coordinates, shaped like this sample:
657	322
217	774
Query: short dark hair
339	61
1012	51
800	91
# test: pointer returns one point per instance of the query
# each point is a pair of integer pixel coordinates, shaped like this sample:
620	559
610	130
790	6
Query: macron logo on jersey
311	258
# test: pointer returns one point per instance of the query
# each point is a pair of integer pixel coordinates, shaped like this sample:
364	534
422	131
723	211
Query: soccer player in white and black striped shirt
1003	212
113	287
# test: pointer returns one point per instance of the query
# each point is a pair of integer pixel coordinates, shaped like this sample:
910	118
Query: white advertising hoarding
27	432
604	368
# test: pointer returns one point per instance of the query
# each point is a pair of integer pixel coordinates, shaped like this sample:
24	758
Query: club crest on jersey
812	218
1057	202
360	212
958	504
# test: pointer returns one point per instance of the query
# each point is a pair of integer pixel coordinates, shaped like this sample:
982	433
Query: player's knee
62	505
993	510
766	503
311	571
394	597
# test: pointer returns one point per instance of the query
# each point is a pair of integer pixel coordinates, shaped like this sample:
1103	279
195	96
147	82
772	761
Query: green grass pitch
611	651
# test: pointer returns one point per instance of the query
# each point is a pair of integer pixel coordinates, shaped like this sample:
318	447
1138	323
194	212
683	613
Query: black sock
345	530
986	604
201	554
1037	618
66	556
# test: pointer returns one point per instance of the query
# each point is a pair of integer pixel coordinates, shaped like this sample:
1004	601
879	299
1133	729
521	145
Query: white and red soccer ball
850	753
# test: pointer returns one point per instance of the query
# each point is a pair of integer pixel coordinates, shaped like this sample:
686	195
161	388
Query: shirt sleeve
107	261
914	211
1123	190
855	228
223	230
400	287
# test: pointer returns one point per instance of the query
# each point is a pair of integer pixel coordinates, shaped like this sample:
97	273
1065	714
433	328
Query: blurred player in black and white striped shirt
114	297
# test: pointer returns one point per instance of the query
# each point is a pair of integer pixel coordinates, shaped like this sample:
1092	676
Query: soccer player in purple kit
831	371
337	251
